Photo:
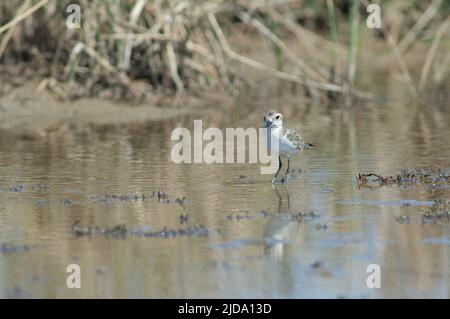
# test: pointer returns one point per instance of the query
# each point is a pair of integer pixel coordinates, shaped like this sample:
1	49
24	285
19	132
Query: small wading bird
290	143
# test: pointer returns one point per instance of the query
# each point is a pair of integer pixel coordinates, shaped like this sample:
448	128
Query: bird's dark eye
277	117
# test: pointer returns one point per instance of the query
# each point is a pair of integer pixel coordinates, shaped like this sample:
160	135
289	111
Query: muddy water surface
92	199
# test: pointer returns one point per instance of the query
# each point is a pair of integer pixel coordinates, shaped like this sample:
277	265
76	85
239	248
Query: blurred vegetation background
191	46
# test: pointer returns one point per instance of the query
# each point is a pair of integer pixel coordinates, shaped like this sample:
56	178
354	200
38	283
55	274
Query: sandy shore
28	113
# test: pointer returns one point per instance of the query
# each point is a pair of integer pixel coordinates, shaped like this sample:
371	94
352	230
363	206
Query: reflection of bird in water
276	230
290	143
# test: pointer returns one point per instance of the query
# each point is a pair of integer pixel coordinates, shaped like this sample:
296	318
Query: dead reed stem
24	15
177	45
426	17
432	52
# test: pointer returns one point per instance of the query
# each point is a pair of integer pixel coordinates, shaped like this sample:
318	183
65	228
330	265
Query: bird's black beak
267	124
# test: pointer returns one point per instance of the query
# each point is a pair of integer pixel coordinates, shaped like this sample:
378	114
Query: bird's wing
296	139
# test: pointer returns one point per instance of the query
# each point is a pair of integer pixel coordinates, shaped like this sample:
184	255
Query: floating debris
439	213
66	202
441	204
436	217
40	187
107	198
429	176
121	231
20	188
240	216
180	201
13	189
163	198
42	202
321	226
434	186
264	213
403	219
305	216
246	215
319	268
6	248
110	198
191	231
184	219
47	202
161	195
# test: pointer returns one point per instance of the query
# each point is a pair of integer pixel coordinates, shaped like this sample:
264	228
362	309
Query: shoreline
28	113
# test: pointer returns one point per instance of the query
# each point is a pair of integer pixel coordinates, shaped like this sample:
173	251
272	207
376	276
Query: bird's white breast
285	147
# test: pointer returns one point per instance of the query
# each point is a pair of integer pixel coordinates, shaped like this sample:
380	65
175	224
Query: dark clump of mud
122	231
426	176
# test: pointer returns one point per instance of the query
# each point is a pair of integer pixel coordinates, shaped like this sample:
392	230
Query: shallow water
257	244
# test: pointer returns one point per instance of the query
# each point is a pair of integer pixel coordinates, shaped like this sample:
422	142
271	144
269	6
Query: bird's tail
309	145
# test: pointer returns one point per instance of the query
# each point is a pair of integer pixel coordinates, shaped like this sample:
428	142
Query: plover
290	143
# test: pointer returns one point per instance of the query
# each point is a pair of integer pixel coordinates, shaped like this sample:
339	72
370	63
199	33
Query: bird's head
273	119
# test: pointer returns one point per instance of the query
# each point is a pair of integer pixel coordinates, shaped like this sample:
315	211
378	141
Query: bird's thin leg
286	177
288	200
279	168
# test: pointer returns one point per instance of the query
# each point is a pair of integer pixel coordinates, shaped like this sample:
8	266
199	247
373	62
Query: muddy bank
26	112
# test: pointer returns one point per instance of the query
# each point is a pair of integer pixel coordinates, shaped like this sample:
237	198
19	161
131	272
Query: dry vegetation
184	45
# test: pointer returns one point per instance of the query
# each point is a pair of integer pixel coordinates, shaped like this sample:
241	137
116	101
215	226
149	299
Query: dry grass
181	45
